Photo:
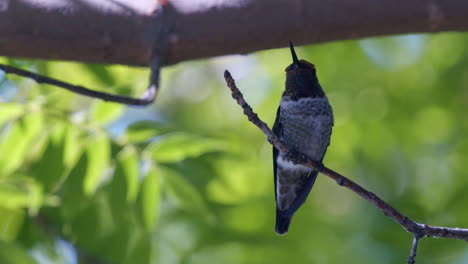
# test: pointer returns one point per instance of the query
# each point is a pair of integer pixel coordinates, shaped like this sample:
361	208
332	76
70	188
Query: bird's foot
320	166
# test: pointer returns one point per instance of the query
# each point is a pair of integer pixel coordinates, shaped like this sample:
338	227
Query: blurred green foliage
189	180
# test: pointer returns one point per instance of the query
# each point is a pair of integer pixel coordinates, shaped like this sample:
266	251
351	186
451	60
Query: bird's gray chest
307	125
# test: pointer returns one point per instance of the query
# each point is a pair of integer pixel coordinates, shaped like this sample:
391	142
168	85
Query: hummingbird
304	122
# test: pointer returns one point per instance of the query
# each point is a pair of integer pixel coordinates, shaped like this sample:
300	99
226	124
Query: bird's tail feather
283	217
282	222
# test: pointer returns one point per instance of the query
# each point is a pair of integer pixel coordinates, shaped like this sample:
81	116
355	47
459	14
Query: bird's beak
293	53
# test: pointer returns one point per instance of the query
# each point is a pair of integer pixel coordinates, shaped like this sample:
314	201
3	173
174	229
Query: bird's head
301	78
299	66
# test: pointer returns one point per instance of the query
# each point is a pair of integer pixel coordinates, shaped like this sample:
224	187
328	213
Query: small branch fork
414	248
419	230
148	97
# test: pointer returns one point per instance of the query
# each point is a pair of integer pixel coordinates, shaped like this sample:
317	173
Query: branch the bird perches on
417	229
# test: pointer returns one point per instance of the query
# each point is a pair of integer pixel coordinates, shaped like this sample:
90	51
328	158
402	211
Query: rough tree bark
130	32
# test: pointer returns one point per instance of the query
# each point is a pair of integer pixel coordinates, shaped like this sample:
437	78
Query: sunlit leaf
36	197
13	197
127	166
150	195
11	221
71	72
105	112
10	111
100	72
178	146
15	145
184	194
73	146
24	192
98	153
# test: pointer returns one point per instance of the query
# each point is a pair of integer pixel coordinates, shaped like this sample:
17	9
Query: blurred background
189	179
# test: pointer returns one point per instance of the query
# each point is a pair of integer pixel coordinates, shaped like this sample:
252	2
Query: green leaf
142	131
15	145
127	166
98	156
10	111
106	112
179	146
24	192
13	253
50	168
11	221
36	198
150	196
73	197
141	249
100	72
184	194
73	146
13	197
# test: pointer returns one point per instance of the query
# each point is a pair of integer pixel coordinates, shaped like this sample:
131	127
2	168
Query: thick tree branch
131	32
419	230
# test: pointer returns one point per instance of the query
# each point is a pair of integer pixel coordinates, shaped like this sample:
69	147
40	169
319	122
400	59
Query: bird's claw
320	166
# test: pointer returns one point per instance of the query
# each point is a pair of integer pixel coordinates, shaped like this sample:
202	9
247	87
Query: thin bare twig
414	248
148	97
419	230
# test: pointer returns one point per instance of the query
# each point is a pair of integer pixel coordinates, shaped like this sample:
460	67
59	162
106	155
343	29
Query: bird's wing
277	130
